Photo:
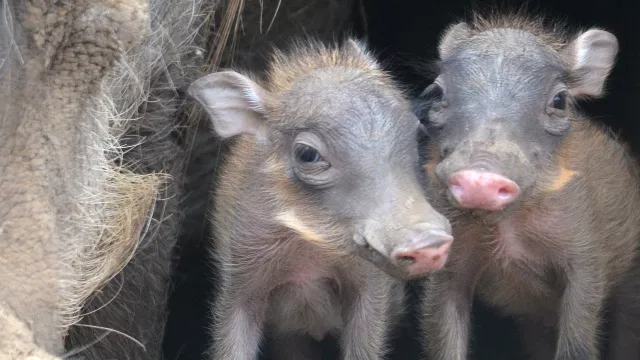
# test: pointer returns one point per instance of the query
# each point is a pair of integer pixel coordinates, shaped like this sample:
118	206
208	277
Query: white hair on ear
592	56
234	102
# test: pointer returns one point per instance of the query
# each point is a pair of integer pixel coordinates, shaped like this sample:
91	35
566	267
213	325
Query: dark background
402	32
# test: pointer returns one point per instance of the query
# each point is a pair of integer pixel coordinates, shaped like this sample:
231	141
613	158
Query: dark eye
560	100
307	154
433	93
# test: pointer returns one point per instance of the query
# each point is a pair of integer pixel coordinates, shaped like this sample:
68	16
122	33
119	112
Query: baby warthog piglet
320	194
544	204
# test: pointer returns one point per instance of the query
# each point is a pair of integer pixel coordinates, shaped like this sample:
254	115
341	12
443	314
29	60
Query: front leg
625	317
446	316
238	322
580	313
367	318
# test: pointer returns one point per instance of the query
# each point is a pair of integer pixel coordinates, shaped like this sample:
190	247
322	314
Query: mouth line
367	247
396	269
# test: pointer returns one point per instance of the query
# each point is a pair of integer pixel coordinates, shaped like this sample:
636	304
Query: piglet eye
306	154
560	100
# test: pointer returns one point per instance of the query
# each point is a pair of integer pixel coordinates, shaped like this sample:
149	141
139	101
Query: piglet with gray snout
319	212
544	204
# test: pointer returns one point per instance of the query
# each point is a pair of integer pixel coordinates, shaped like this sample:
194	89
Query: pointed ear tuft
360	49
451	37
591	56
235	103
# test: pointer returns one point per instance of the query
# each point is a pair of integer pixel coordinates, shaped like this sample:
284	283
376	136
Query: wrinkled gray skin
569	241
154	148
53	162
326	162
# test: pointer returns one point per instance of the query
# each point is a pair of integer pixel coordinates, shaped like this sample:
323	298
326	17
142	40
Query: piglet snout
426	252
482	190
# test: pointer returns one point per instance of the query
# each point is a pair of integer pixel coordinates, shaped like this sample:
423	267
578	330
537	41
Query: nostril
406	260
456	190
507	191
423	259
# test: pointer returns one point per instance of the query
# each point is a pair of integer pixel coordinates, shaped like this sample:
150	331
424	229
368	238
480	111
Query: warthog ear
235	103
591	55
359	49
451	37
358	46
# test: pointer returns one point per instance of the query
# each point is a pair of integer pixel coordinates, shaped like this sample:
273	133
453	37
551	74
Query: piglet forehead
503	54
501	77
357	104
509	43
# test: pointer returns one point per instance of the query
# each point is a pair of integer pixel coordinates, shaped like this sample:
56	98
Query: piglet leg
238	317
367	319
580	312
625	327
446	317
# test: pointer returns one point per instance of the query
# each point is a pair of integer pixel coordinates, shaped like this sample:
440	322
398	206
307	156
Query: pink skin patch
424	260
482	190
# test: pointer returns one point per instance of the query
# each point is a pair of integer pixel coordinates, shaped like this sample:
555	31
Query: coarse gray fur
126	318
69	219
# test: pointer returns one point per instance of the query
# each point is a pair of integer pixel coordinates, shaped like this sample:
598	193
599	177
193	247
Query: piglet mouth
424	253
365	247
368	252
